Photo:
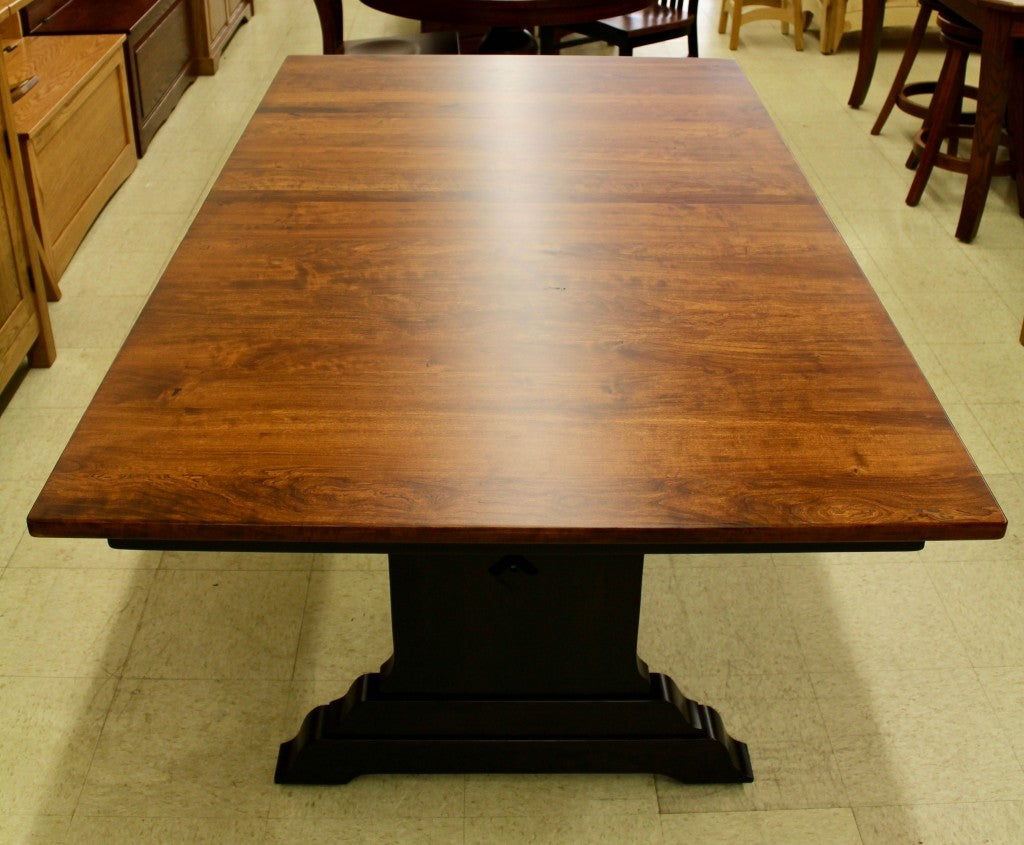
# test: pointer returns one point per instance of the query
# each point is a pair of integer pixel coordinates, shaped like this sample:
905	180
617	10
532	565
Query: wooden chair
663	20
787	11
332	26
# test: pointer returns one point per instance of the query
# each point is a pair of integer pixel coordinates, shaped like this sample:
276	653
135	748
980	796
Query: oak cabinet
75	133
215	21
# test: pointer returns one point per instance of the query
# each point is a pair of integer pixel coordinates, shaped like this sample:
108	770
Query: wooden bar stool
787	11
901	93
942	121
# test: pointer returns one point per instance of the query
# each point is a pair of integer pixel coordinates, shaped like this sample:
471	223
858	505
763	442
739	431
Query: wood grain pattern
446	299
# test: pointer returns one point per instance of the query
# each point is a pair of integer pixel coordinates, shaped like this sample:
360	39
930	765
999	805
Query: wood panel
447	299
76	135
24	318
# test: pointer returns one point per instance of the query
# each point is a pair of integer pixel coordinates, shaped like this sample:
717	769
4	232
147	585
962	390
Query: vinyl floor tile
219	624
990	822
772	827
186	749
48	732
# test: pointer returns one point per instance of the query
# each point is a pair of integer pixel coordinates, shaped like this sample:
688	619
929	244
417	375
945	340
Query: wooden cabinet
24	319
158	48
215	21
75	133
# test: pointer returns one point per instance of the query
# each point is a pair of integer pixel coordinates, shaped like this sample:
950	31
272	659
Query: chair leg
798	24
939	115
737	14
913	46
625	48
723	16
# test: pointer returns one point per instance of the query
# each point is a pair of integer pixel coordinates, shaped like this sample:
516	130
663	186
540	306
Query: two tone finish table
516	322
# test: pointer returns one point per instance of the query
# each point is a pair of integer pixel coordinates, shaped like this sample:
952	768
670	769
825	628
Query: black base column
514	660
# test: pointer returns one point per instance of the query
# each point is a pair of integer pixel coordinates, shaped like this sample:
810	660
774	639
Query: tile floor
142	696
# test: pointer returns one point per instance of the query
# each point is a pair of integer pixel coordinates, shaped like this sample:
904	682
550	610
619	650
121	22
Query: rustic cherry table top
506	299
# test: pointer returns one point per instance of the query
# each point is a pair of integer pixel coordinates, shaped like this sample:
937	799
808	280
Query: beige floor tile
34	830
994	823
346	630
48	731
16	498
31	440
98	271
219	625
848	616
954	317
1004	426
69	622
69	384
363	831
145	230
897	740
772	827
113	830
985	373
778	717
715	619
1004	688
101	322
560	795
187	749
984	601
73	553
635	829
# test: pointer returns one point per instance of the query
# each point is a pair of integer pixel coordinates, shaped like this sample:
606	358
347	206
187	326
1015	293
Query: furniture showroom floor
143	695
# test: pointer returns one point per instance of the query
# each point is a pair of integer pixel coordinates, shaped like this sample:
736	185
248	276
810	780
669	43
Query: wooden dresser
75	133
158	48
215	21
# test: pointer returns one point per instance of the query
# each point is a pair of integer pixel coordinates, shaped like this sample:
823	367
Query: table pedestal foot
368	733
514	659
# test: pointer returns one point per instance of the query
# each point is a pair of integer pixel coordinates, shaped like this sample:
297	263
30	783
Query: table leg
872	17
993	87
514	660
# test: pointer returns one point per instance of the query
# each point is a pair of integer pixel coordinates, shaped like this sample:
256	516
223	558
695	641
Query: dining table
1002	62
509	19
446	309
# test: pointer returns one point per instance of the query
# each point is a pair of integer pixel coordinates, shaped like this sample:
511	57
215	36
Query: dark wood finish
332	28
565	367
507	13
662	20
1002	50
407	315
513	660
158	49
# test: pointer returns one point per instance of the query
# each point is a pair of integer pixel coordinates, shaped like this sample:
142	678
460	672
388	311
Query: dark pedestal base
364	733
514	660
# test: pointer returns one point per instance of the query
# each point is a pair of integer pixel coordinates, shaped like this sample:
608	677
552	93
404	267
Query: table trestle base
514	659
364	733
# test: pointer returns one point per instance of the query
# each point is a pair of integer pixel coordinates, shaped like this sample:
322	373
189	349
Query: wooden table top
514	299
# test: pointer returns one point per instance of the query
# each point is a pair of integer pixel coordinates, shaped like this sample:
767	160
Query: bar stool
787	11
901	92
961	39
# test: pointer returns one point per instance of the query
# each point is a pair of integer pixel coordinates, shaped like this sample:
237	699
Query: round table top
507	12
